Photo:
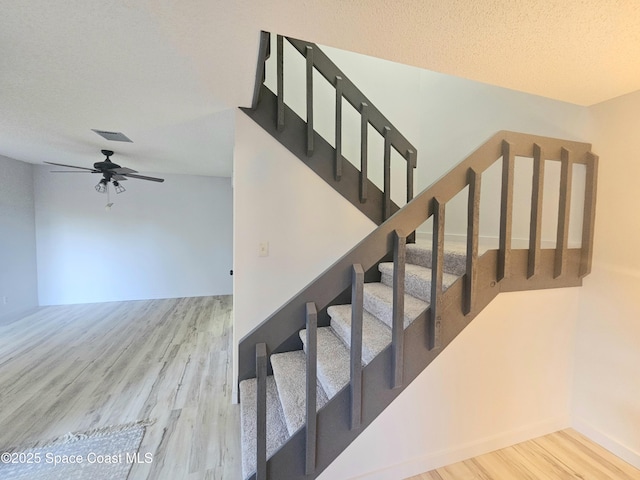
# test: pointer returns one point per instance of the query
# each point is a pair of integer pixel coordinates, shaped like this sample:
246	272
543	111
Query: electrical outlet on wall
263	250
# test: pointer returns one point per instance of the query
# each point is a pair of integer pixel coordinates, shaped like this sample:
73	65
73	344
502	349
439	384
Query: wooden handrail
353	95
290	318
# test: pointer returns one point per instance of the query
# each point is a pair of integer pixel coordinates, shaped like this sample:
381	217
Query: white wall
606	403
505	379
279	200
18	272
158	241
446	118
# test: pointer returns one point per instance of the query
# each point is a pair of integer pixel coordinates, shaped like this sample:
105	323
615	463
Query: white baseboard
459	453
614	446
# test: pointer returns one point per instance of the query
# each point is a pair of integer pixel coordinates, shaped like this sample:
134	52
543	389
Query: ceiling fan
111	173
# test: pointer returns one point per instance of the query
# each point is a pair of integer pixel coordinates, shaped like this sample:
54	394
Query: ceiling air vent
113	136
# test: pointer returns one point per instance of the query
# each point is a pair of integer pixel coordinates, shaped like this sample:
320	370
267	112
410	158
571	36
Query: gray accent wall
18	272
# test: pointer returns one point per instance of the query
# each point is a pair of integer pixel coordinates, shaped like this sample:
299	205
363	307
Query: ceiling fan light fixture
101	187
118	187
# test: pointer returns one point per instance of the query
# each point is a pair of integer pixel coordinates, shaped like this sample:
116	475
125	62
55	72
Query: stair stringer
333	432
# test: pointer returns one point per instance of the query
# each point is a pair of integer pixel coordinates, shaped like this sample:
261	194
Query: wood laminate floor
564	455
80	367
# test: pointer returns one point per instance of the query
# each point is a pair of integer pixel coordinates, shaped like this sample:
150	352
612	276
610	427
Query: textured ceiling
167	73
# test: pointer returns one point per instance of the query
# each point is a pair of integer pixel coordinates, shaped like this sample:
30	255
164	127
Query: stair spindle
357	312
411	164
397	331
261	412
263	55
311	387
309	56
338	165
535	230
506	210
387	173
589	216
437	261
564	209
364	134
473	225
280	82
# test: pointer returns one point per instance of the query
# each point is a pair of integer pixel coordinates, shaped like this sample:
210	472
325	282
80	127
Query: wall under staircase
450	412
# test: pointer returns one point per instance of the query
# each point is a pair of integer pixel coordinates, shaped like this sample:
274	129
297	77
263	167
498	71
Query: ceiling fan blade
70	166
74	171
123	170
118	178
142	177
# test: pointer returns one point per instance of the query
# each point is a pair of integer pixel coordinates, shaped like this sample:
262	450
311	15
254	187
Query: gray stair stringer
455	257
417	280
277	433
290	373
378	300
375	334
334	368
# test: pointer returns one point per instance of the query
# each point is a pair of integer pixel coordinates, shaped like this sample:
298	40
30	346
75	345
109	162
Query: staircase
323	367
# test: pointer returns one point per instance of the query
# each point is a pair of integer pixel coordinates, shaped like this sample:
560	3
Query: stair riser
381	309
333	361
454	262
416	287
375	337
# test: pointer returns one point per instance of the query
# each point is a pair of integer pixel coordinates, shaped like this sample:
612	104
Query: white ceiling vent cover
113	136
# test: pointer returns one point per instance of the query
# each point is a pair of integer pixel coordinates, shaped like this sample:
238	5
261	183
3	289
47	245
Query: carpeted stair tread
375	334
277	433
417	279
290	372
378	300
333	361
455	257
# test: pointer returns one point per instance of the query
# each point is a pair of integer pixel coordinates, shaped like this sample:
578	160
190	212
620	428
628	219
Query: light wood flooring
563	455
76	368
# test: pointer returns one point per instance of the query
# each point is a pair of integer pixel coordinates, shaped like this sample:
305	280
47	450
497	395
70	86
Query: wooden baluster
535	230
589	218
387	173
473	226
437	261
397	331
338	165
411	164
364	134
564	209
280	82
506	210
311	408
309	55
261	412
263	55
357	311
